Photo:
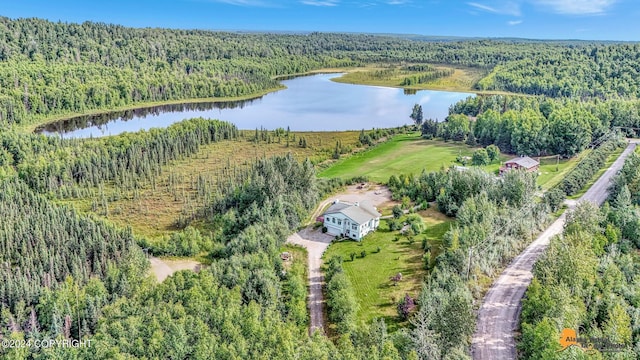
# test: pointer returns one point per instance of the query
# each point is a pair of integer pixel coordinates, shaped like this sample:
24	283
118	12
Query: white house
351	220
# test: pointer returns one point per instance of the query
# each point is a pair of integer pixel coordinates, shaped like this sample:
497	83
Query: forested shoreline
51	68
67	275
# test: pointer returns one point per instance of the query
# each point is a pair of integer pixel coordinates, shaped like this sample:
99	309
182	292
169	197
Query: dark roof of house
360	213
525	162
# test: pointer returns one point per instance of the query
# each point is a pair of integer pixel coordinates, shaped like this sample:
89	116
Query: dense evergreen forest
65	275
57	68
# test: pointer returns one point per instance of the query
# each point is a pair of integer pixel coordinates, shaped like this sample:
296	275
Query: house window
354	227
333	220
339	222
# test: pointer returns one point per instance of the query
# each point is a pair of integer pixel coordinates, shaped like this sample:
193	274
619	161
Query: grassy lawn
553	171
375	293
610	160
404	154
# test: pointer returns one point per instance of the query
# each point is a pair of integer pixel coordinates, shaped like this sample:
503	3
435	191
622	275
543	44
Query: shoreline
31	128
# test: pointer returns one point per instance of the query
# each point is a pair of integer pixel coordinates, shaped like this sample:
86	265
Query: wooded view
79	218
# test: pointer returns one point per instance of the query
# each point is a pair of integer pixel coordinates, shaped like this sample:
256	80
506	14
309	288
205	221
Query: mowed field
404	154
553	170
376	294
410	154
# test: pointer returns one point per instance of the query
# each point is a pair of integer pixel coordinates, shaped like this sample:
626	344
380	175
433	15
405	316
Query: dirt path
163	268
316	243
500	311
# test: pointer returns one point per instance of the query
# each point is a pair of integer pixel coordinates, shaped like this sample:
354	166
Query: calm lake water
310	103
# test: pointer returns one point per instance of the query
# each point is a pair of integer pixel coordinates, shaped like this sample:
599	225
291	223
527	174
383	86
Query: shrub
426	260
406	307
397	211
395	225
480	157
554	198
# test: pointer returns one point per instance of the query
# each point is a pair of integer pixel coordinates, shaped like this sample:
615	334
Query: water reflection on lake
310	103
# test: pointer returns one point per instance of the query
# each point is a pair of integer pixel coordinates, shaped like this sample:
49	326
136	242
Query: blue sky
540	19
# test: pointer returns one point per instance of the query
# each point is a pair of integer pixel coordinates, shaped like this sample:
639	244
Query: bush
406	306
480	157
324	229
426	260
554	198
394	225
363	253
397	211
188	242
494	152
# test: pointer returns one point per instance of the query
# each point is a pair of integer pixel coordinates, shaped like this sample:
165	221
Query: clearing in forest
387	253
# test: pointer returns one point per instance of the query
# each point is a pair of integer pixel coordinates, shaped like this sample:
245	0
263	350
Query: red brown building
521	163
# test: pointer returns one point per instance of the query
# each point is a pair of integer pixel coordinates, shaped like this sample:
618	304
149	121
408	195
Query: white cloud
504	8
514	22
577	7
320	2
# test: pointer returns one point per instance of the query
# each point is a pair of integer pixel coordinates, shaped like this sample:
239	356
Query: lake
309	103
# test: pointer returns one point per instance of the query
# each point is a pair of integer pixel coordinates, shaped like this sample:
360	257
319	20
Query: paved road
500	311
315	243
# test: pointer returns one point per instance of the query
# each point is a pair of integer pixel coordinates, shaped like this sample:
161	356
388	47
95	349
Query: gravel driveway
316	243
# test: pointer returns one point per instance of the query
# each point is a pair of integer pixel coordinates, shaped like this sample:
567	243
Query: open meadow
445	78
154	209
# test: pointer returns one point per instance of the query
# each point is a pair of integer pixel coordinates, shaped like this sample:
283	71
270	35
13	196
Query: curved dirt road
500	311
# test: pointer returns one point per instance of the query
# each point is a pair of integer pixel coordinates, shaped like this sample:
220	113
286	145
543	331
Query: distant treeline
428	77
51	68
